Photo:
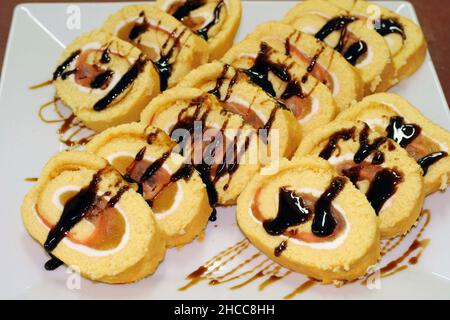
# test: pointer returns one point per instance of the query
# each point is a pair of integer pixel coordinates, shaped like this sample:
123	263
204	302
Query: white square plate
38	34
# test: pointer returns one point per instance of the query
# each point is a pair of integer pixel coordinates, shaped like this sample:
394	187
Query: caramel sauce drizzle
72	132
252	268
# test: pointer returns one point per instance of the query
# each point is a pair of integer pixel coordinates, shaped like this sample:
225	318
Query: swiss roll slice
174	48
222	146
237	94
394	117
173	189
391	180
86	215
310	220
216	21
405	38
321	61
104	80
361	46
310	101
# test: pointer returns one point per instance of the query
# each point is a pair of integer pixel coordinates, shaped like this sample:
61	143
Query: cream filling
115	78
81	247
314	109
243	102
329	245
179	194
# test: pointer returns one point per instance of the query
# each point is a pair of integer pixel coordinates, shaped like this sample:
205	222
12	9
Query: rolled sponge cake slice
280	215
174	48
393	116
321	61
238	94
104	80
310	101
362	47
405	38
86	215
216	21
221	145
175	192
378	166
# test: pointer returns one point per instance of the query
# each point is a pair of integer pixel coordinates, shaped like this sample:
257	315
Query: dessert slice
319	60
405	39
173	189
391	180
310	220
86	215
310	101
362	47
172	47
222	146
237	94
216	21
104	80
426	142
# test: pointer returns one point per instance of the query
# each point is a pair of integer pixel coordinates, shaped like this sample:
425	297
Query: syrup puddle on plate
241	264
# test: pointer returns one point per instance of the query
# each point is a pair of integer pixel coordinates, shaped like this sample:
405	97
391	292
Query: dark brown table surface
433	16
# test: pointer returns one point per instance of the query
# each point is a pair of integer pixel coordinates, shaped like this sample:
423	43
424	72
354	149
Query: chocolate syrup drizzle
366	148
76	208
74	211
405	133
388	26
344	134
431	159
203	32
102	80
259	72
124	82
324	223
382	187
186	8
401	132
63	66
292	211
355	50
163	65
385	182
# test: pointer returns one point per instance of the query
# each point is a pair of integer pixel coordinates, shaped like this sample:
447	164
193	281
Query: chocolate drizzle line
382	187
292	211
74	211
186	8
323	223
63	66
431	159
203	32
259	72
366	148
281	247
401	132
53	264
212	270
344	134
72	132
124	82
388	26
163	65
102	80
355	51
